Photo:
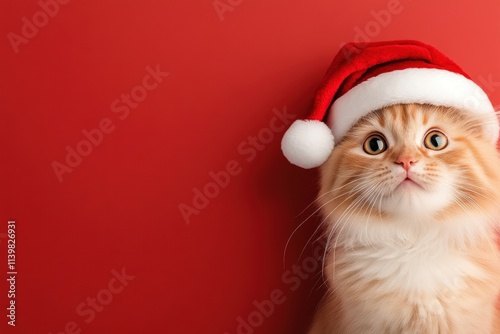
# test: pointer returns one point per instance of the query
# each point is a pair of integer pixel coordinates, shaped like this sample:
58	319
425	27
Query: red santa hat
365	77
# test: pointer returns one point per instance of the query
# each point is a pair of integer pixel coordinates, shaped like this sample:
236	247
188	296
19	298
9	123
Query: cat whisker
335	226
316	211
343	220
329	192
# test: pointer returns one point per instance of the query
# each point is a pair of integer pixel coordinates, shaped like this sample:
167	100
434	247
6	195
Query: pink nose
406	162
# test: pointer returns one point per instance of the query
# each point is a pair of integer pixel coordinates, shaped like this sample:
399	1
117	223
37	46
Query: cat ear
307	143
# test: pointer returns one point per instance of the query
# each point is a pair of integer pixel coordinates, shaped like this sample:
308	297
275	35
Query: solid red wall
120	240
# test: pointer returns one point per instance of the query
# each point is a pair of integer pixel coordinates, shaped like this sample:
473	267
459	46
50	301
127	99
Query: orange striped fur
411	252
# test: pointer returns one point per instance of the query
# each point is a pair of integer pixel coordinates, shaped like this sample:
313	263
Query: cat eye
435	140
374	144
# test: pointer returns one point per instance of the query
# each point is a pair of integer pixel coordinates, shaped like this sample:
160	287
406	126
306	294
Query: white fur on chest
415	287
424	269
413	257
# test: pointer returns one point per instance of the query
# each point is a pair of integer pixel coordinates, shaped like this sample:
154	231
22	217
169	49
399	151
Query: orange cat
410	203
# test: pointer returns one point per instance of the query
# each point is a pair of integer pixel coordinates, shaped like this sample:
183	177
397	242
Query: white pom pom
307	143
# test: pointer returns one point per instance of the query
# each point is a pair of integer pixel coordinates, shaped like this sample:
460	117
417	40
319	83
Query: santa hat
365	77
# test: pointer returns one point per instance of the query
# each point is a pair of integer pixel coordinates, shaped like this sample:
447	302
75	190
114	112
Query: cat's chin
409	190
410	199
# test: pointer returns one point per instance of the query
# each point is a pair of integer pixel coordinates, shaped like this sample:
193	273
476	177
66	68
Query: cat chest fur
416	285
423	269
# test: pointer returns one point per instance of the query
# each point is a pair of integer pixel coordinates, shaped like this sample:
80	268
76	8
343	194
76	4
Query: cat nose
406	162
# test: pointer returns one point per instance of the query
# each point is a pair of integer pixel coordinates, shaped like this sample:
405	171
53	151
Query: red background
119	208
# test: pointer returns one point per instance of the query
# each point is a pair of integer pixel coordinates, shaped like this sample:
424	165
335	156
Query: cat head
411	166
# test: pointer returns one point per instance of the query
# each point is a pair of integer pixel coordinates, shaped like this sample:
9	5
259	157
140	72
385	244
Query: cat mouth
409	183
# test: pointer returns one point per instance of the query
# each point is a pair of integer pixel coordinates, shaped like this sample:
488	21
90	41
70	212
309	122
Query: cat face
411	163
